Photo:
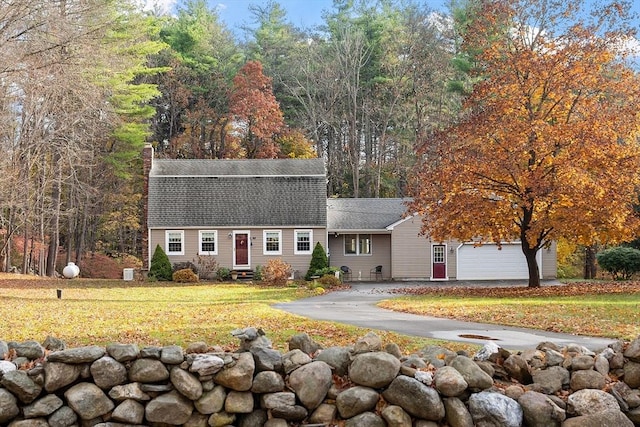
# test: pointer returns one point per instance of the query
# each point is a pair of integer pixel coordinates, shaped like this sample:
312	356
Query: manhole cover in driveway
477	337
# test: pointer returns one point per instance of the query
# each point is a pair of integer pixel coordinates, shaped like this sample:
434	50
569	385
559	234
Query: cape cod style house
245	212
242	212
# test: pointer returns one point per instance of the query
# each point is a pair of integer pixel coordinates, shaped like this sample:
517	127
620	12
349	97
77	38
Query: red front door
241	250
439	257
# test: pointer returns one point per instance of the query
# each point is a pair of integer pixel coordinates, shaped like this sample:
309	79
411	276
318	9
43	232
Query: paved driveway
357	306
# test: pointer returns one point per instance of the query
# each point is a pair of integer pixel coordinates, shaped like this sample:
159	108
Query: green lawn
109	311
102	312
613	315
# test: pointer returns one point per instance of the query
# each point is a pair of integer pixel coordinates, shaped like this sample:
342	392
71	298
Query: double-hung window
303	239
272	242
208	242
174	242
357	244
438	254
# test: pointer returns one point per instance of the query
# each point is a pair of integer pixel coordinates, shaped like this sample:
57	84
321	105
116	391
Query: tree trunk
54	231
354	157
70	236
529	251
532	265
25	250
590	268
42	262
82	234
8	247
31	260
52	255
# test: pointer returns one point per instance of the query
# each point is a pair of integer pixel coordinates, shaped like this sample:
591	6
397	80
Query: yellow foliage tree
294	145
546	146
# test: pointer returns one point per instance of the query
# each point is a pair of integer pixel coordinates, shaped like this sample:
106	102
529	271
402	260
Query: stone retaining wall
363	385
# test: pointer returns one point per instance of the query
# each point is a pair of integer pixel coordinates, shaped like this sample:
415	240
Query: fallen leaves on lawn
567	290
606	309
163	313
14	276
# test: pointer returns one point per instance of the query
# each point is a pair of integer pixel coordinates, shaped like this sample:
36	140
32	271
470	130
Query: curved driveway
357	306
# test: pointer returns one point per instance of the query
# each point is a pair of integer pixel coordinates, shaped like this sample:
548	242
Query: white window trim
370	244
215	242
265	251
166	242
444	253
295	242
358	252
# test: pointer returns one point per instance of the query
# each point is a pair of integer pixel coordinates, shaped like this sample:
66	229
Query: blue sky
307	13
301	13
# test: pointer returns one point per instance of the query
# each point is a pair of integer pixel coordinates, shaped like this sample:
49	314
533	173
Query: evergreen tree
318	260
160	265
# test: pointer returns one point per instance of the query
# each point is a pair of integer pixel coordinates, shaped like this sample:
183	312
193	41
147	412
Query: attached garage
488	262
407	255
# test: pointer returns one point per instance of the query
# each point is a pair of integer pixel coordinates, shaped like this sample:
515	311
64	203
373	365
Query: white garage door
487	262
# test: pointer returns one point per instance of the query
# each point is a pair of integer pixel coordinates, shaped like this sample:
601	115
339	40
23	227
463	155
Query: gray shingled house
364	233
358	235
245	212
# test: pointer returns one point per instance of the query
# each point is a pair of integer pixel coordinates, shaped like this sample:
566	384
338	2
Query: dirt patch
478	337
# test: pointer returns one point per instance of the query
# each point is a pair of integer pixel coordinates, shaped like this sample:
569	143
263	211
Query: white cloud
164	7
630	46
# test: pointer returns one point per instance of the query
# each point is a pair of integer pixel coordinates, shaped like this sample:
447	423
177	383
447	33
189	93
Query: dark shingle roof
248	167
237	193
363	214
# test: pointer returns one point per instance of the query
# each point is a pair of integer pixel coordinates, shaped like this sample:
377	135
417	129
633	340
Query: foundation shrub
207	266
223	273
318	261
329	280
257	273
160	268
186	275
276	272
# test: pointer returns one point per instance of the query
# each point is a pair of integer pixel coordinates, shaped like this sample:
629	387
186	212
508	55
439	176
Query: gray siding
411	252
360	265
224	258
452	263
550	262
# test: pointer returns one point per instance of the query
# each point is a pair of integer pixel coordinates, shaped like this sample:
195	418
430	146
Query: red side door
439	264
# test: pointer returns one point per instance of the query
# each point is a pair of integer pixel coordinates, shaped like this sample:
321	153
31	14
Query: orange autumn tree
256	112
546	146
